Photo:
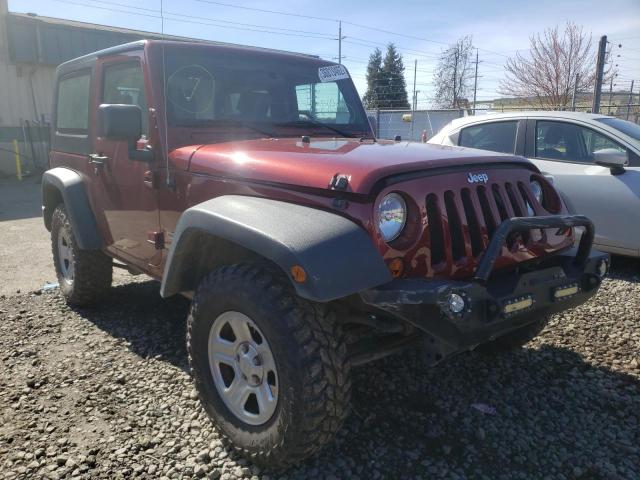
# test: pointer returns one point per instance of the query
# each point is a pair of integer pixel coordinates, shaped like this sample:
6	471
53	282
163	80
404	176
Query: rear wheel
518	338
270	368
84	276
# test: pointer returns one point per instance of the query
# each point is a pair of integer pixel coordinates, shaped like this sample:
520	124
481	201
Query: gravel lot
106	393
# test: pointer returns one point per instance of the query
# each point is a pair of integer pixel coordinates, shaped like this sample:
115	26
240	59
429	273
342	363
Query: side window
498	136
323	101
72	108
124	84
568	142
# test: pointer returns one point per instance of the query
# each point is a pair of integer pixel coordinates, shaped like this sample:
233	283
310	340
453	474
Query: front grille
461	223
452	221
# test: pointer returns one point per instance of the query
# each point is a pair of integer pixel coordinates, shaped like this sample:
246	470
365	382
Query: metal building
30	49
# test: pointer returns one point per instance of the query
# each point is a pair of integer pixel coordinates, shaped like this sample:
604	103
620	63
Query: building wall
26	92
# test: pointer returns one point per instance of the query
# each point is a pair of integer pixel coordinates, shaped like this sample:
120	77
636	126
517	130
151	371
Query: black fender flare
337	255
64	184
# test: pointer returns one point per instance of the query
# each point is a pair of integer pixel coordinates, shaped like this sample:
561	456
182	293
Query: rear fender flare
337	255
65	185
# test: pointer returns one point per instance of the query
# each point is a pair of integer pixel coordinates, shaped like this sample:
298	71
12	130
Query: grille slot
455	226
436	233
475	232
515	201
502	208
489	221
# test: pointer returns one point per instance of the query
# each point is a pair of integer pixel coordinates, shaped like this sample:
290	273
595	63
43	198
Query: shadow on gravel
625	268
554	415
151	325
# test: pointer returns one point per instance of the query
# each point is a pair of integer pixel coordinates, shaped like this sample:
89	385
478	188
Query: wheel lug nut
255	379
256	361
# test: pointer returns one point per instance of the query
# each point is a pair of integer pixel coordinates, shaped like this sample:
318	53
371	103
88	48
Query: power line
299	15
210	22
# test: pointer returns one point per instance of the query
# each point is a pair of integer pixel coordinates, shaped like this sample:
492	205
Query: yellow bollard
16	152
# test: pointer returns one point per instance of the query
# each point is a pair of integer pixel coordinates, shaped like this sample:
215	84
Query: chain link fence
388	124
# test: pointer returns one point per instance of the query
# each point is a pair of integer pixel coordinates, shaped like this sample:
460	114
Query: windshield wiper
307	123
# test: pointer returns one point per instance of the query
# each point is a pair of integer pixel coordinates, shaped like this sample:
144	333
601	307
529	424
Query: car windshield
262	93
624	126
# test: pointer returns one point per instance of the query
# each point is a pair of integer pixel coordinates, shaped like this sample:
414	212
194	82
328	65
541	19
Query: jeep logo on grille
478	178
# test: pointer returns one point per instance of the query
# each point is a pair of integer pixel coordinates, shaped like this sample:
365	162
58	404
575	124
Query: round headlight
536	189
392	215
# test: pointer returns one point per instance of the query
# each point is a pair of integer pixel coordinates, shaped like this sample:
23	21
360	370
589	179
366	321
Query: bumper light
456	303
518	304
566	291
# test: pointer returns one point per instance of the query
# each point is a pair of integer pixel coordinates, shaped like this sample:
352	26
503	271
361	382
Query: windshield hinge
339	182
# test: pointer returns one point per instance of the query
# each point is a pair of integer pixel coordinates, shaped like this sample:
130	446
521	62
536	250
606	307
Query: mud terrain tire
91	271
308	350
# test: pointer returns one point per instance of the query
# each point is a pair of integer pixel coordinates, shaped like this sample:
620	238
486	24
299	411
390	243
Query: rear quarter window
496	137
71	113
73	104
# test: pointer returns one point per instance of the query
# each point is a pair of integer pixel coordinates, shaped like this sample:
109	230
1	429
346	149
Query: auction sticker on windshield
332	73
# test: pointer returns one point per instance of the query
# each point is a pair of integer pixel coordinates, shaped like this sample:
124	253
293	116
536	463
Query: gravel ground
106	393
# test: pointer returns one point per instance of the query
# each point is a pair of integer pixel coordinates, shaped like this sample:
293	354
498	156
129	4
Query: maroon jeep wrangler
250	181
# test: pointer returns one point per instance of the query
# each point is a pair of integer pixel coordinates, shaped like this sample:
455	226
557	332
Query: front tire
270	368
84	276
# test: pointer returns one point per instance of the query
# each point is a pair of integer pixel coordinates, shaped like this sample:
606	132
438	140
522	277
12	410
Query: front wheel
270	368
84	276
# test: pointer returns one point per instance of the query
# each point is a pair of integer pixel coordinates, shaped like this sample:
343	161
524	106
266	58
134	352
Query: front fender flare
337	255
68	185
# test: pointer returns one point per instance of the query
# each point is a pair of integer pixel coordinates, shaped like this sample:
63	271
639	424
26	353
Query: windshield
264	94
626	127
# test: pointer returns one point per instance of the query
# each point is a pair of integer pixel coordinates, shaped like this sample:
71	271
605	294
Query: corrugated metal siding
34	41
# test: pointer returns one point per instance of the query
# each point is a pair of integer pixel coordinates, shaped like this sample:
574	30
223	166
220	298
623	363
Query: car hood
290	161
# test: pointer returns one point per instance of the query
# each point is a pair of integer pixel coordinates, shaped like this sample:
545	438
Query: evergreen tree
393	84
374	68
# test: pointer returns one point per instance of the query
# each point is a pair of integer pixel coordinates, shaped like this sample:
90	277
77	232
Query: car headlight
392	216
536	189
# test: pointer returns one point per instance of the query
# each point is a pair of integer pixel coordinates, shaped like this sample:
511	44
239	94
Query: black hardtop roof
87	60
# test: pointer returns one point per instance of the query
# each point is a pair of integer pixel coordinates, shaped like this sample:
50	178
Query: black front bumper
506	301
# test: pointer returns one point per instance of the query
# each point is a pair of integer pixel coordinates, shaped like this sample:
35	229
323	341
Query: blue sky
421	29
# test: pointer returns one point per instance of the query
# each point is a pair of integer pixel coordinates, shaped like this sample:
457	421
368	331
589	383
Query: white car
594	161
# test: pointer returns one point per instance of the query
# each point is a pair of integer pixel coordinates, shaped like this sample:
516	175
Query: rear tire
84	276
517	338
304	352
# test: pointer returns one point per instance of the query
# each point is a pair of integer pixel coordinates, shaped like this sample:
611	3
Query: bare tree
453	75
547	74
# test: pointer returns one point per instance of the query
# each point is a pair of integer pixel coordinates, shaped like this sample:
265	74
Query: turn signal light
298	274
396	267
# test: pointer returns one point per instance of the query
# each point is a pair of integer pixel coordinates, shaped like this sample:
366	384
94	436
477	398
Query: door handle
97	159
149	179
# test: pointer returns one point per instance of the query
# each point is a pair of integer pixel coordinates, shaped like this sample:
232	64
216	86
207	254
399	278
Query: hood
290	161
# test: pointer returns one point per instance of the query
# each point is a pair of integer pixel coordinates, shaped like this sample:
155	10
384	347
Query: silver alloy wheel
243	368
65	255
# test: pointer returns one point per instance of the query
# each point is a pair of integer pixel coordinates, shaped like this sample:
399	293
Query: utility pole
455	80
413	104
340	37
475	84
610	95
597	89
630	101
575	93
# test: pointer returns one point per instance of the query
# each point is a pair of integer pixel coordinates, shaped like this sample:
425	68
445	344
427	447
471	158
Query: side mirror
123	122
613	159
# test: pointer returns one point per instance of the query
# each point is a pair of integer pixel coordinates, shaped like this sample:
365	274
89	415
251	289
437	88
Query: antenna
165	139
